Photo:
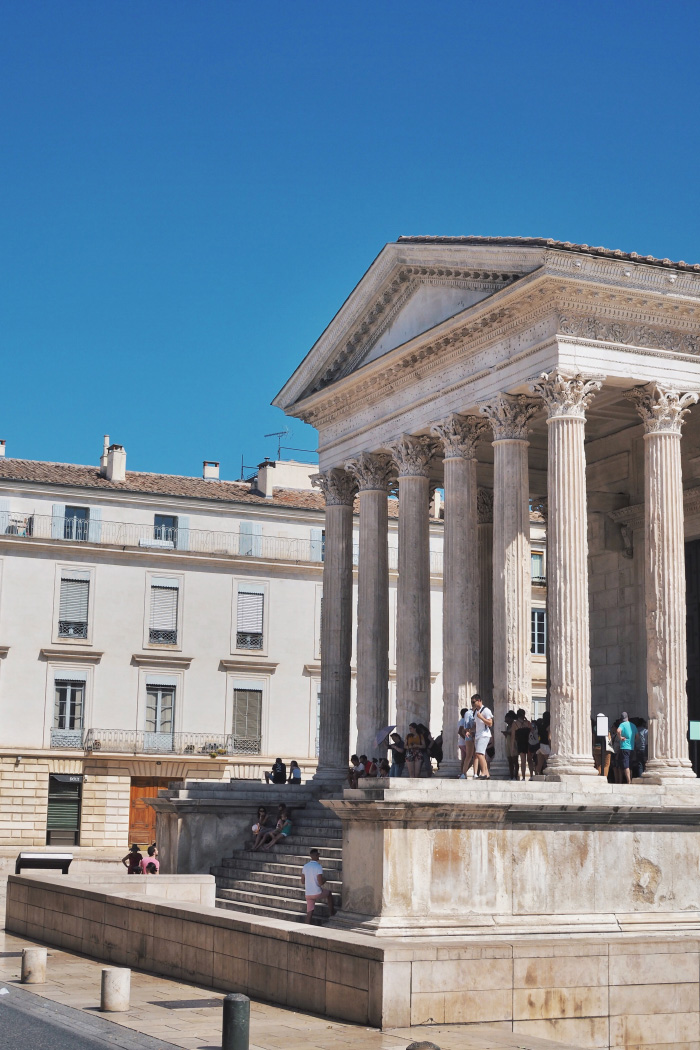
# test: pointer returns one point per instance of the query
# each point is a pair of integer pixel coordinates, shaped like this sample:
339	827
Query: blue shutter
256	530
95	525
316	550
182	540
246	541
4	515
58	521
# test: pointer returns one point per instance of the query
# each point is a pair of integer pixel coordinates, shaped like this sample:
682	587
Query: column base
449	769
559	766
333	776
660	771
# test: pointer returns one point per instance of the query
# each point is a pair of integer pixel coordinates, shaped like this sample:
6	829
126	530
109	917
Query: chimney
103	457
116	463
264	483
210	470
2	449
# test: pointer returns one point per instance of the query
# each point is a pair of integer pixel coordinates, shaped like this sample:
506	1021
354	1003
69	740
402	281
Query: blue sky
191	189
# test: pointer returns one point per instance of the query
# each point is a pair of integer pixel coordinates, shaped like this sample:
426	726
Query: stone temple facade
513	372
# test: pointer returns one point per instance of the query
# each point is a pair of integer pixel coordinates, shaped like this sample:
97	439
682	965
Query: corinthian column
460	590
484	511
412	458
372	473
336	627
512	683
566	400
664	579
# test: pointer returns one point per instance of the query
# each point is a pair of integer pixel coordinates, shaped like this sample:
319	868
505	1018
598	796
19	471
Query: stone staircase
269	884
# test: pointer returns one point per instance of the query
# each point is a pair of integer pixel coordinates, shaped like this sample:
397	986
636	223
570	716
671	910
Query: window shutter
247	721
316	553
74	604
95	525
182	534
58	521
250	616
4	515
250	544
163	621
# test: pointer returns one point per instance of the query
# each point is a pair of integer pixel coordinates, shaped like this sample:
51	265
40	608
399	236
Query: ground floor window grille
539	632
250	617
247	721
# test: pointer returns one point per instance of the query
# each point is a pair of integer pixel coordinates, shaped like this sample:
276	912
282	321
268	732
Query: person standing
483	720
627	734
313	880
521	733
398	755
415	749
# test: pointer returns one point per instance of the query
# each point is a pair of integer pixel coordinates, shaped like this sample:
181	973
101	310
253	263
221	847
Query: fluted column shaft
336	626
485	530
512	680
412	456
460	594
372	474
664	580
566	400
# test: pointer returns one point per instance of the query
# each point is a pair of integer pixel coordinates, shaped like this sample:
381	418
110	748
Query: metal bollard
235	1034
33	966
116	989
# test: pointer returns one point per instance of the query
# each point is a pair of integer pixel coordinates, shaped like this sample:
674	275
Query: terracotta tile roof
73	475
545	242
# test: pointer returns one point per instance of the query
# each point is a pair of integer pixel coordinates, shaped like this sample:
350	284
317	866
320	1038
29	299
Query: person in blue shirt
627	732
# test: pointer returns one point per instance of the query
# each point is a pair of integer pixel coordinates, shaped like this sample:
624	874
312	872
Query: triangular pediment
408	290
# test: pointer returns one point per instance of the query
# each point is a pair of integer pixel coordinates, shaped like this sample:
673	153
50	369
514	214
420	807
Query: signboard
601	725
74	778
694	731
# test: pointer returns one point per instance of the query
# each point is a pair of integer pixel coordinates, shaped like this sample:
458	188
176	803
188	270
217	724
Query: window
247	721
68	710
160	707
76	523
250	616
165	528
537	567
63	813
162	627
539	632
539	706
73	604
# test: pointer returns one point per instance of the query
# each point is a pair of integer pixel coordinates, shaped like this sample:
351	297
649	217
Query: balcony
198	541
134	742
539	581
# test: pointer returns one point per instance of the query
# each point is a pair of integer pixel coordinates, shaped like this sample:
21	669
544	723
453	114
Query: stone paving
165	1009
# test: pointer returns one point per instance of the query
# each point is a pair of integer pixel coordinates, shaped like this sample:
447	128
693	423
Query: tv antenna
279	434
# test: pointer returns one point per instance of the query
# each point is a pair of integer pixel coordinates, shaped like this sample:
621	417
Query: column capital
540	505
338	487
661	409
371	471
459	435
484	506
509	415
566	397
412	455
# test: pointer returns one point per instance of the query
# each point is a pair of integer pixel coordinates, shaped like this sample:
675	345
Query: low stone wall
613	990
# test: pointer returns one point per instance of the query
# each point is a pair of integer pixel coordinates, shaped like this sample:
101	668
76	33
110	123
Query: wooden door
142	817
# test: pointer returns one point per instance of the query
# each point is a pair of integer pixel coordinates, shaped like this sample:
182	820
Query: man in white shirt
313	880
483	720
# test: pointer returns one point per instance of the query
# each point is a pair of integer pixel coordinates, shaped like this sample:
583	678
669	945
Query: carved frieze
607	331
459	435
338	487
509	415
661	409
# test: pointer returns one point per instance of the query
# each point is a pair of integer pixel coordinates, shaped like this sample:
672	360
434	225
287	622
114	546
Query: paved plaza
185	1015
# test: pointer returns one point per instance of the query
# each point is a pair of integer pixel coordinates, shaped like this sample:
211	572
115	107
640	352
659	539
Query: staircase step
266	900
265	886
272	913
245	867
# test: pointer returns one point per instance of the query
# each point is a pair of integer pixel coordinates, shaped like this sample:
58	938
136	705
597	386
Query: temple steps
267	884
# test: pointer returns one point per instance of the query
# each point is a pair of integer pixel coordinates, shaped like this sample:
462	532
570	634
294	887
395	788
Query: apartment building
157	627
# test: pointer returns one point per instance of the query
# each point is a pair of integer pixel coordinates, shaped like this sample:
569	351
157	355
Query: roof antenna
279	434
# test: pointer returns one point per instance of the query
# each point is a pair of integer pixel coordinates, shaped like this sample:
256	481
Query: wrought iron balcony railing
158	537
135	742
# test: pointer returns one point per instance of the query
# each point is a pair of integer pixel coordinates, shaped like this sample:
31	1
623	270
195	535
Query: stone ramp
268	884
